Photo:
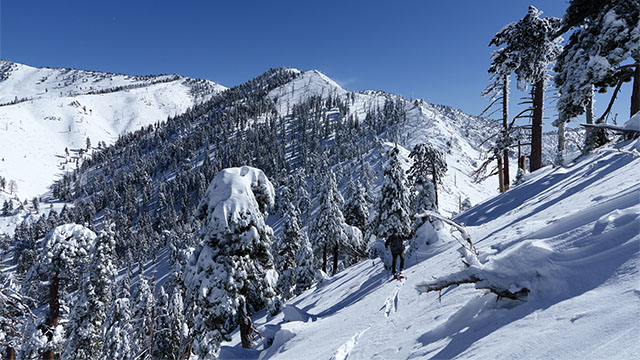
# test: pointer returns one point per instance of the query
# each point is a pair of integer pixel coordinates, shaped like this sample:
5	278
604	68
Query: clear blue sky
436	50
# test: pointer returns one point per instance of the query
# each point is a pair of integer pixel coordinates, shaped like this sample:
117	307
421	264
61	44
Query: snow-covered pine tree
64	254
168	324
356	211
327	229
428	161
118	328
393	208
15	314
142	305
288	247
305	266
92	302
234	253
530	46
604	36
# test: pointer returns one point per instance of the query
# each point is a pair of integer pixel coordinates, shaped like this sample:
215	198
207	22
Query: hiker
395	242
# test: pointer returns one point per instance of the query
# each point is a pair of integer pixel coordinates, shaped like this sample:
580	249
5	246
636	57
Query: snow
231	195
61	112
568	234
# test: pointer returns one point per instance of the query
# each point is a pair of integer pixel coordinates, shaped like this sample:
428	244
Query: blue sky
436	50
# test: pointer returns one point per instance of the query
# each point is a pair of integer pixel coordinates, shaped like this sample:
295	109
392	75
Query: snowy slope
569	234
457	133
61	108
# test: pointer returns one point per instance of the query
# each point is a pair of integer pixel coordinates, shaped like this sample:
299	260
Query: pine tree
90	309
327	229
288	247
393	209
118	328
356	211
141	320
233	262
605	34
530	46
168	325
305	266
428	161
64	253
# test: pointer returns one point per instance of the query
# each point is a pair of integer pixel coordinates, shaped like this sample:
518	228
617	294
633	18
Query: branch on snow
468	277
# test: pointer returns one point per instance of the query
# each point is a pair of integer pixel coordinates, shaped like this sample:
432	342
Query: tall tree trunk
505	125
335	259
54	314
561	142
246	325
635	95
10	353
435	183
500	175
535	161
324	259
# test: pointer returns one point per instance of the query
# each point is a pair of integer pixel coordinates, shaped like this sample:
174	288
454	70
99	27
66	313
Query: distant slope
568	234
44	110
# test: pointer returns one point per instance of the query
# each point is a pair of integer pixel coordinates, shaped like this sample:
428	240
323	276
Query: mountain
44	111
569	235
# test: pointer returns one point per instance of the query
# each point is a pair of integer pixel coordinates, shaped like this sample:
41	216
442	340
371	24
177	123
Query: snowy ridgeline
561	249
44	111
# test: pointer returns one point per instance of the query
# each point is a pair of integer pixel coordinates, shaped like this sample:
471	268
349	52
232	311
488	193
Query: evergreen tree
530	46
327	229
288	247
168	324
64	254
605	34
233	263
142	306
428	161
356	211
393	209
305	266
118	328
90	310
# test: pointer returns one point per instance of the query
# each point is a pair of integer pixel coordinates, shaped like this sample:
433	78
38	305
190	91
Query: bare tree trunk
153	318
535	161
246	325
500	175
505	125
10	353
435	183
561	141
54	314
324	259
589	114
635	95
335	259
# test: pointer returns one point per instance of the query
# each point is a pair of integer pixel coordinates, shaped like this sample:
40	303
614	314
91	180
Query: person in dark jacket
396	243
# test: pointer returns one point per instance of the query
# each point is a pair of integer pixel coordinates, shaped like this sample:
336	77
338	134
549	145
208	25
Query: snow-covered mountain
44	111
569	235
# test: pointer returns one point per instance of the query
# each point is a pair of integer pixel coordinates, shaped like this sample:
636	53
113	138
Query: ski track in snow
345	350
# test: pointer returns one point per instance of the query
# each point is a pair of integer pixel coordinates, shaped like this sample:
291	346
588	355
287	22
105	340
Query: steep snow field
569	234
61	108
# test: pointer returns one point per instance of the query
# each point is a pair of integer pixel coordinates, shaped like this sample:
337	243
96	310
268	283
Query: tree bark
635	95
335	259
505	125
535	161
561	140
10	353
324	259
435	183
246	325
500	174
54	314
